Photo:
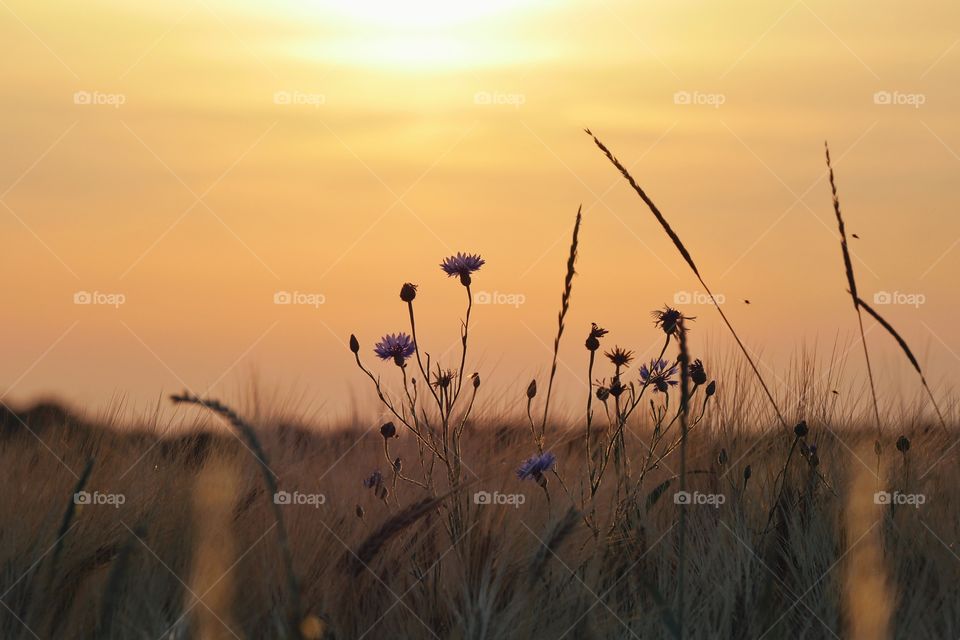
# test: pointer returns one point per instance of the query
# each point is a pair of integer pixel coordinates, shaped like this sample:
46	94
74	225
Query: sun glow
419	14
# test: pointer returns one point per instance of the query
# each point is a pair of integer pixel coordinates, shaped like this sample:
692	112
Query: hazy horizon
199	159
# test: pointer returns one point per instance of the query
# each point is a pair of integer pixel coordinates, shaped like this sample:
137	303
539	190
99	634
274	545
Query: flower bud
476	380
532	389
354	344
602	394
722	458
747	472
801	429
408	292
388	430
711	388
903	444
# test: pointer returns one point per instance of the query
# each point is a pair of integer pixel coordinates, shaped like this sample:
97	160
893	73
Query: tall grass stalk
564	307
852	284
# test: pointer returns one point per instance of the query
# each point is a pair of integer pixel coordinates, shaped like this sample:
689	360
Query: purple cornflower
398	346
462	264
375	479
658	375
535	466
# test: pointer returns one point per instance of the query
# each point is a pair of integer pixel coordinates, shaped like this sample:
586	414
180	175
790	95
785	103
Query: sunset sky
187	161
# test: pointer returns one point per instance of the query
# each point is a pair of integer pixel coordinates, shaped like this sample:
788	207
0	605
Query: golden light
418	14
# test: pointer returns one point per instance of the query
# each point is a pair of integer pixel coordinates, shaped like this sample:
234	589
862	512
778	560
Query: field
690	499
193	550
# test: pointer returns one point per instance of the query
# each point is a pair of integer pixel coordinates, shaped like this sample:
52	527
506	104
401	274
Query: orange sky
198	157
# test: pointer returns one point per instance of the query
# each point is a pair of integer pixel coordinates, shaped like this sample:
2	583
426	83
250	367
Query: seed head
903	444
408	292
388	430
593	340
697	374
620	357
668	319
